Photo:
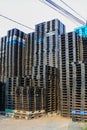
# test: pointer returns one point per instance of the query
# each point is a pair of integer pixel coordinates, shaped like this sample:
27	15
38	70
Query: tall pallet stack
46	55
10	89
15	44
79	100
51	90
13	64
29	53
31	69
2	72
79	109
2	57
36	92
68	46
2	96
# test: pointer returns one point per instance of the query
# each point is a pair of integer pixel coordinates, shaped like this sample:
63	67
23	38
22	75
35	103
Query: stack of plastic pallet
51	90
14	65
2	56
68	46
31	69
2	96
23	100
79	100
46	78
29	53
46	54
10	96
14	62
2	72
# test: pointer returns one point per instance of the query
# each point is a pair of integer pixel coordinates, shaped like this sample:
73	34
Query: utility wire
51	7
56	10
72	9
16	22
65	12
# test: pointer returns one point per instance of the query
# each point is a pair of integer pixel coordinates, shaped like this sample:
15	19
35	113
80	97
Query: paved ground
43	123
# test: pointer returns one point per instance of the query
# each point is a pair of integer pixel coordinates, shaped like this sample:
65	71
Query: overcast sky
31	12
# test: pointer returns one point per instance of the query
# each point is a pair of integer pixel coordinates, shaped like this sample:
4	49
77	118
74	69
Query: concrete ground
42	123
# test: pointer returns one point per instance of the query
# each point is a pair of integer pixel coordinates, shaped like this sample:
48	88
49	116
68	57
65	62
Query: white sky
31	12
